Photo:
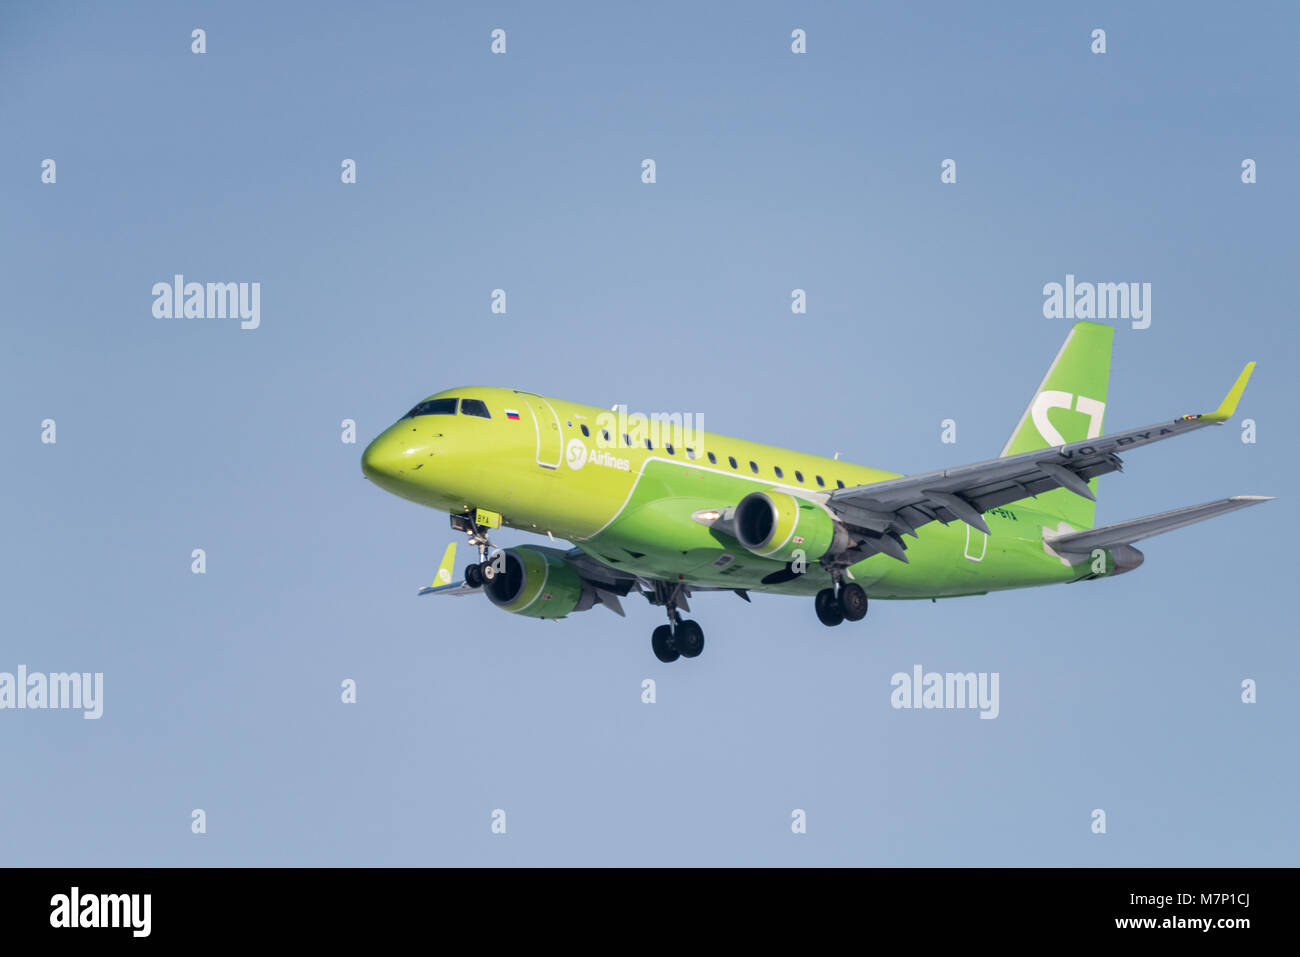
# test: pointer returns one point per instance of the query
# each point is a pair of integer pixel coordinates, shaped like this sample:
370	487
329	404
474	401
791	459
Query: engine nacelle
539	583
775	525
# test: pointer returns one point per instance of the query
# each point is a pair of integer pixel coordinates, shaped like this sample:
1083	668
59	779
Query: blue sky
775	171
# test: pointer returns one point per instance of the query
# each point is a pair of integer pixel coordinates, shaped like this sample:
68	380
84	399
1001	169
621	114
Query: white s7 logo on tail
1051	399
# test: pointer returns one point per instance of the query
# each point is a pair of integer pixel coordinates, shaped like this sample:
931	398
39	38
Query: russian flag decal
512	414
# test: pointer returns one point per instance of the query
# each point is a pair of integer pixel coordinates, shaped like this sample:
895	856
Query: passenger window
798	475
821	481
604	436
777	470
753	466
627	439
585	431
713	459
669	448
732	460
839	483
434	407
690	453
474	407
648	445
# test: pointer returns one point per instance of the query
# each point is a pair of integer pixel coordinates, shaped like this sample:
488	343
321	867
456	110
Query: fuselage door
550	440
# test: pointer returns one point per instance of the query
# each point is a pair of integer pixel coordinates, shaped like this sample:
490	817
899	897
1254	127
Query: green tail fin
1069	405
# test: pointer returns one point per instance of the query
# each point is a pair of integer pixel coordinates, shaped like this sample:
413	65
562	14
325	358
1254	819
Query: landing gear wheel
473	576
853	602
688	638
828	607
661	641
488	571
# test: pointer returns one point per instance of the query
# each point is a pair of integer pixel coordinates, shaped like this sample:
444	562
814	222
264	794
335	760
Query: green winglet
1229	404
445	570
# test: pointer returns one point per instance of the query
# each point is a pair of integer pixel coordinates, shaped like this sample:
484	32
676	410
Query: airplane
667	512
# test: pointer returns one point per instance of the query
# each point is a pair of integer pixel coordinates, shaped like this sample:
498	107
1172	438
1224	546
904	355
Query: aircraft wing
600	574
900	506
1134	530
455	588
610	582
607	582
608	585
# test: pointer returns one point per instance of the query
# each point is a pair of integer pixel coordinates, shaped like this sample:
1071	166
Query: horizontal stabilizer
1134	530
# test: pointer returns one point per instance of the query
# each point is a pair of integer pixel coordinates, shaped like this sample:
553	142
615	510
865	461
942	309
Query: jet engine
537	582
776	525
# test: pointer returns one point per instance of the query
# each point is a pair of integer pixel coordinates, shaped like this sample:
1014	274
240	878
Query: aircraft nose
383	458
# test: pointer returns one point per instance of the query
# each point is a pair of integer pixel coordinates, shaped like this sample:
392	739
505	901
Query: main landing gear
681	637
844	602
683	640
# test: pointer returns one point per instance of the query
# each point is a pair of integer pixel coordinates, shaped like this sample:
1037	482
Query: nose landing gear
486	569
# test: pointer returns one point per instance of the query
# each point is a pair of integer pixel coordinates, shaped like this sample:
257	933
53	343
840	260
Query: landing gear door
550	440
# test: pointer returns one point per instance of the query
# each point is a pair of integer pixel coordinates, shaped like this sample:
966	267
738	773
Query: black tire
853	602
827	608
473	576
661	642
689	639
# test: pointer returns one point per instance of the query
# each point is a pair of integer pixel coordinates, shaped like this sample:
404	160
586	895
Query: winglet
1229	404
444	570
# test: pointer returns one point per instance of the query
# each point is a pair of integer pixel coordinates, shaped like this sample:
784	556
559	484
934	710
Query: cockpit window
434	407
474	407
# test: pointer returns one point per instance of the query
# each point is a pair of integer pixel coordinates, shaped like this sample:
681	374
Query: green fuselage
631	506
